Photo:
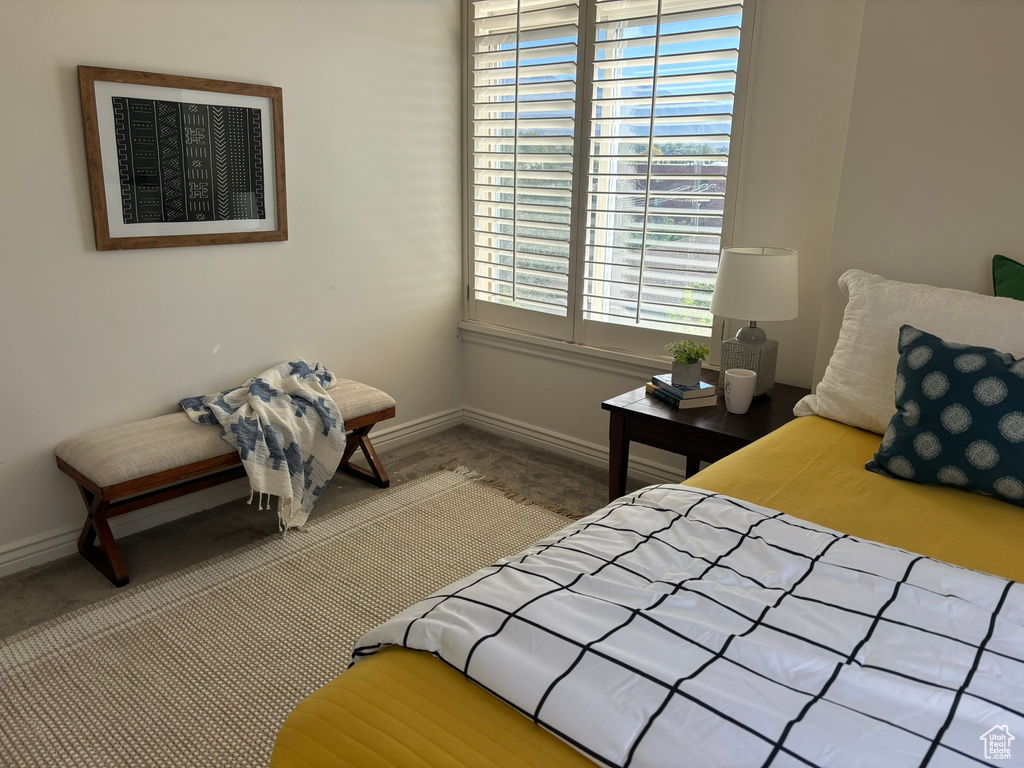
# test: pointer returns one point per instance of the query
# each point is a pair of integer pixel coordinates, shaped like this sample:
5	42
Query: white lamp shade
756	284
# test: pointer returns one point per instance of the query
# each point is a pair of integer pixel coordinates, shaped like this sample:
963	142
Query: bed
409	707
404	707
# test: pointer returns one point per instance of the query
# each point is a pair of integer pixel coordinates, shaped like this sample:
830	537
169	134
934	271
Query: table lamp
755	284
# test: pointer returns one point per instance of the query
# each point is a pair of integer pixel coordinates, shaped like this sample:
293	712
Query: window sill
608	360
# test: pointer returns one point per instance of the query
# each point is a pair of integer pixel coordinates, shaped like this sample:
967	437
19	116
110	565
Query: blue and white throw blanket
287	430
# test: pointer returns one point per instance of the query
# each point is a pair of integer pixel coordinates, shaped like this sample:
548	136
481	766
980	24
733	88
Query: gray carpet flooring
49	590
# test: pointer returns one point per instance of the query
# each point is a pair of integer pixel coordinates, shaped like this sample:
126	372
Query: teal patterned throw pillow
959	418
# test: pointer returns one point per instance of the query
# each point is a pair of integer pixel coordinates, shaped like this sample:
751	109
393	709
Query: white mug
739	389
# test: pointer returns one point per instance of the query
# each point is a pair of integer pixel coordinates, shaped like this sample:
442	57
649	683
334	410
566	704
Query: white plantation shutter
627	255
523	86
664	77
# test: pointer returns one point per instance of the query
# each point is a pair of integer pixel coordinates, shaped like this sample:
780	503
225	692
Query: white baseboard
44	547
591	453
400	434
36	550
55	544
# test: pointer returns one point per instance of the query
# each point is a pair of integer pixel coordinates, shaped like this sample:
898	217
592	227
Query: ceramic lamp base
760	358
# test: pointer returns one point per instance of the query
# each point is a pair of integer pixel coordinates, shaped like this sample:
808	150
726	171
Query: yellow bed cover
407	708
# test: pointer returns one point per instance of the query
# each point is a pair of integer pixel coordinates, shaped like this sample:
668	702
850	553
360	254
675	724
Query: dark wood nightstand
700	434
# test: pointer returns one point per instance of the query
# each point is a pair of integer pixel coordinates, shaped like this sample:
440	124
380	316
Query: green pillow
1008	277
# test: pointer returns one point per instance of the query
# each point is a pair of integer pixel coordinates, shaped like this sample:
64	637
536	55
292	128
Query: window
599	172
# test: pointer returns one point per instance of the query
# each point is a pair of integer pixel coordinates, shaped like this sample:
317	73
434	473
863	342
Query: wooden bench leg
107	556
359	438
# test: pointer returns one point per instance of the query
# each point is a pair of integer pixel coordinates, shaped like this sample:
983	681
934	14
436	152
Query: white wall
555	402
794	131
798	107
368	282
933	178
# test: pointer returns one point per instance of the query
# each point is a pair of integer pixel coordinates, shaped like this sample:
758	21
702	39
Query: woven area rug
200	668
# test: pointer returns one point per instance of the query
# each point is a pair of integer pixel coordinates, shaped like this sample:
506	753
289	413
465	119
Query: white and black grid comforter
678	627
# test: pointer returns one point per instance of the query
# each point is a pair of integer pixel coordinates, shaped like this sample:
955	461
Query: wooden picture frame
178	161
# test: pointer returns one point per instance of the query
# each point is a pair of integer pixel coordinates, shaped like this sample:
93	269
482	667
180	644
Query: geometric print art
959	418
679	627
188	162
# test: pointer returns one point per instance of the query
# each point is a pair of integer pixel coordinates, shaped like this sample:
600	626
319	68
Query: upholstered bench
128	467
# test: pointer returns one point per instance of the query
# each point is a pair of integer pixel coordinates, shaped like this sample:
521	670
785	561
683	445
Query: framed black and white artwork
177	161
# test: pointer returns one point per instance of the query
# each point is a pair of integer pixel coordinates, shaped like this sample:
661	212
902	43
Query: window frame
574	329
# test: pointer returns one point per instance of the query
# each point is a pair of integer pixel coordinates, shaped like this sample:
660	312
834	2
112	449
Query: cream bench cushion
114	455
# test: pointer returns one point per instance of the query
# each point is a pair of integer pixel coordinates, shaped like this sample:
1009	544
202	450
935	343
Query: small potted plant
686	359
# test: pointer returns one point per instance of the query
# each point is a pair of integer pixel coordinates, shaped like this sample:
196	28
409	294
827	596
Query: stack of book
702	395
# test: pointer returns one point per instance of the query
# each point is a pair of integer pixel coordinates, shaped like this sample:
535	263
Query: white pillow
858	385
